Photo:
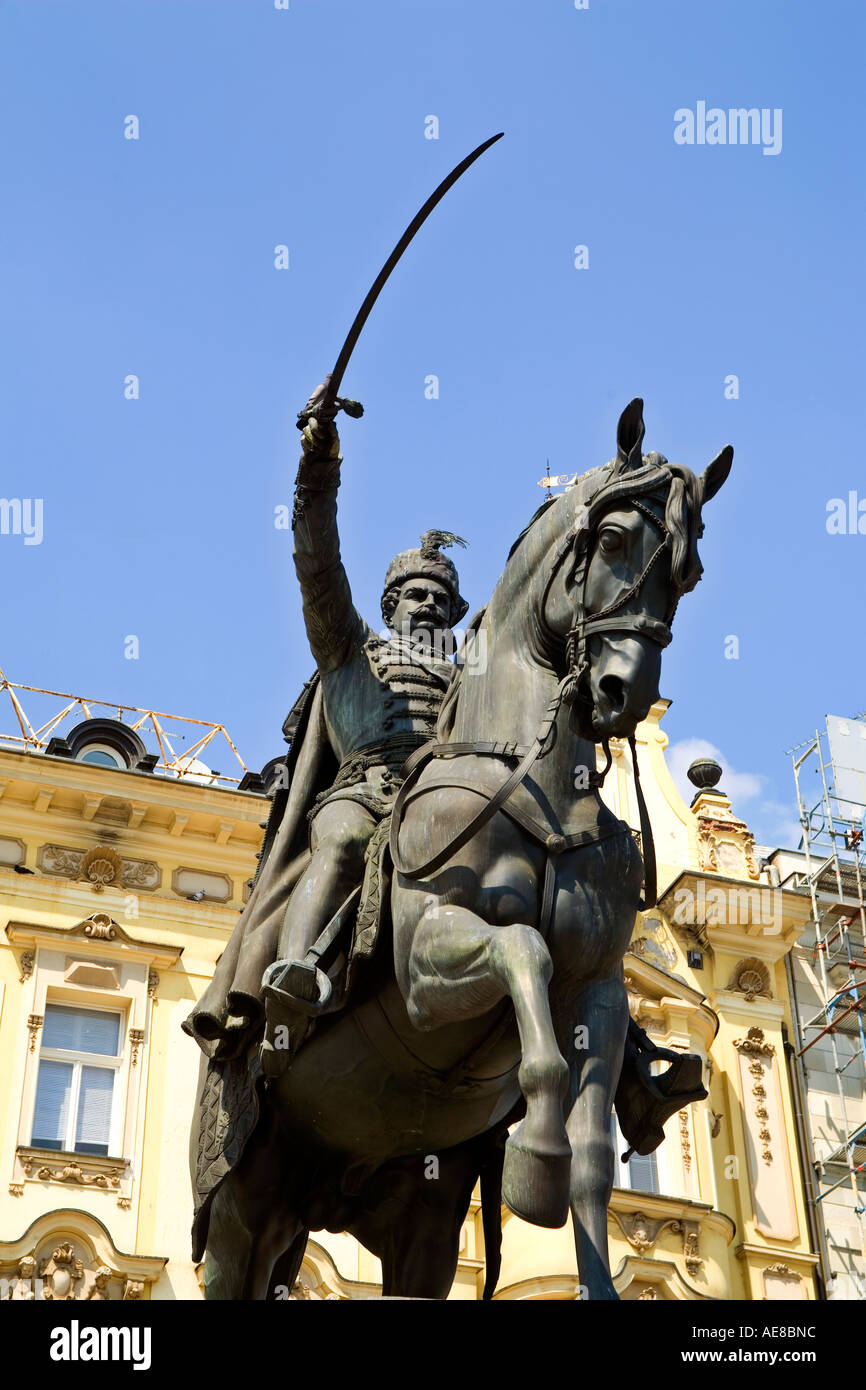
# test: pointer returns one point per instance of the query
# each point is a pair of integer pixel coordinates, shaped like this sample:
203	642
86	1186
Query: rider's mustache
425	615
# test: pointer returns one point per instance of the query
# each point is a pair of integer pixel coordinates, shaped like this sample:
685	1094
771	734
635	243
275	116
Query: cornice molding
139	836
100	936
124	783
651	1276
32	894
760	939
732	1003
778	1251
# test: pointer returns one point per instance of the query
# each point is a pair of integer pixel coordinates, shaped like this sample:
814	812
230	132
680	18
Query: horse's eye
610	540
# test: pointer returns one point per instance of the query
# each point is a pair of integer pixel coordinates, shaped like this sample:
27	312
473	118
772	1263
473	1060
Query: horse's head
629	554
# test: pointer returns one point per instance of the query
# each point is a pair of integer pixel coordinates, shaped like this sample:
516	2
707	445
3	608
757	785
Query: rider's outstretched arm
332	623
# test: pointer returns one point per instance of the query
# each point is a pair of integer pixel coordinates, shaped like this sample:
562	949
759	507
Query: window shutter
643	1173
94	1110
51	1119
81	1030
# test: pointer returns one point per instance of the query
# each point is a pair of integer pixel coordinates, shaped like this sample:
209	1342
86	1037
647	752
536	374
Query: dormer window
104	743
102	755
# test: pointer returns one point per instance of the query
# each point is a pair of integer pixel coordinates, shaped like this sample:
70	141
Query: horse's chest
524	872
594	901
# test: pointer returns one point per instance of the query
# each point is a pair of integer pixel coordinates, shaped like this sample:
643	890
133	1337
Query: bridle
611	618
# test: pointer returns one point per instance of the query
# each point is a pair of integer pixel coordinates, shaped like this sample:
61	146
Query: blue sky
306	127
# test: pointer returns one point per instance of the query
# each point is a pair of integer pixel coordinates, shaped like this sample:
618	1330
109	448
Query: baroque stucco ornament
73	1171
100	866
643	1232
68	1256
760	1055
755	1044
751	978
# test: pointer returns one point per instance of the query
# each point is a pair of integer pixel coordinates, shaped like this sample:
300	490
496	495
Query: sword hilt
325	406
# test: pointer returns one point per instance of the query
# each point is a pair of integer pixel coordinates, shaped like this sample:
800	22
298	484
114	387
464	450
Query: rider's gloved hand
320	439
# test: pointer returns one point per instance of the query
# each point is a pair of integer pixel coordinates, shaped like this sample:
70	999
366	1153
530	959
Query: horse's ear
715	474
629	435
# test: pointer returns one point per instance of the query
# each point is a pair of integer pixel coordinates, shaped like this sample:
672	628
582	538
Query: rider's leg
339	837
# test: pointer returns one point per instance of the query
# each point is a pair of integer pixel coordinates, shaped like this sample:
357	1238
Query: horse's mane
672	483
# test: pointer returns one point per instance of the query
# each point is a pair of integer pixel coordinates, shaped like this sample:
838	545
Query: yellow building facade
120	884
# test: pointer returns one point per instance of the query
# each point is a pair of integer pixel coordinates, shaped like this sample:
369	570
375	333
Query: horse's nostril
614	691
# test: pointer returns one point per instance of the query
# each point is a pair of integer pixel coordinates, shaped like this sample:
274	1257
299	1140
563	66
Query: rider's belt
390	752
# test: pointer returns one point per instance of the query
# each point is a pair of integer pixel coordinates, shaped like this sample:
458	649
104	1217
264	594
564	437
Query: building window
643	1173
102	756
639	1173
77	1083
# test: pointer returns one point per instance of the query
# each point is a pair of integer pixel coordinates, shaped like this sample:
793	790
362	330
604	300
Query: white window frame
79	1060
118	759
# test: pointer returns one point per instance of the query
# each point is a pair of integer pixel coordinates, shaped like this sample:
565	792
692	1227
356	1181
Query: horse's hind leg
601	1010
413	1214
460	968
250	1227
285	1270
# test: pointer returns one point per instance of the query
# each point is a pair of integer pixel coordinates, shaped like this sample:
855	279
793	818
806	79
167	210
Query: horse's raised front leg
601	1019
459	968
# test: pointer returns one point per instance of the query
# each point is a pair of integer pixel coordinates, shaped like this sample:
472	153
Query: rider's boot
295	993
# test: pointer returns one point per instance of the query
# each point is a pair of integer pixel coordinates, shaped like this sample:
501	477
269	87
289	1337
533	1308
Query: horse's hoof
535	1182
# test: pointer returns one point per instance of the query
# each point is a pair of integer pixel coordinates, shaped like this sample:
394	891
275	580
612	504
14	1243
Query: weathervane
564	480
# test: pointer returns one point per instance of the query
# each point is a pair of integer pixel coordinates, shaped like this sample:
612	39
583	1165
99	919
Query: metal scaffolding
835	870
163	731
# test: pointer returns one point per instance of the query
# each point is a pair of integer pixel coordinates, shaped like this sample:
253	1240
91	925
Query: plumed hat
428	562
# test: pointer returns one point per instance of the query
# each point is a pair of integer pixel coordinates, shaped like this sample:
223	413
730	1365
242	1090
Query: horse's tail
491	1211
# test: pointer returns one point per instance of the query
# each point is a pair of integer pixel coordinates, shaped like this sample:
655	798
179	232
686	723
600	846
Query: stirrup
295	987
644	1103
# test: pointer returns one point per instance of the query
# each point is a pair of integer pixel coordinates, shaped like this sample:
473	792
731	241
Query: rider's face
424	606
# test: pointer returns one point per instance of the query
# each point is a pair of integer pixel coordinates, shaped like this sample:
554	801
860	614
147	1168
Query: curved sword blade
333	385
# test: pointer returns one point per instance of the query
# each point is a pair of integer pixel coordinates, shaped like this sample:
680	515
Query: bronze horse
513	901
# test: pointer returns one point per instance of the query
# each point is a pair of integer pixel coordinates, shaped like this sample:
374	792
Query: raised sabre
324	399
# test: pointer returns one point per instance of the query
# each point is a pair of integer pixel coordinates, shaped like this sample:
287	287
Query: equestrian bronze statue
456	990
